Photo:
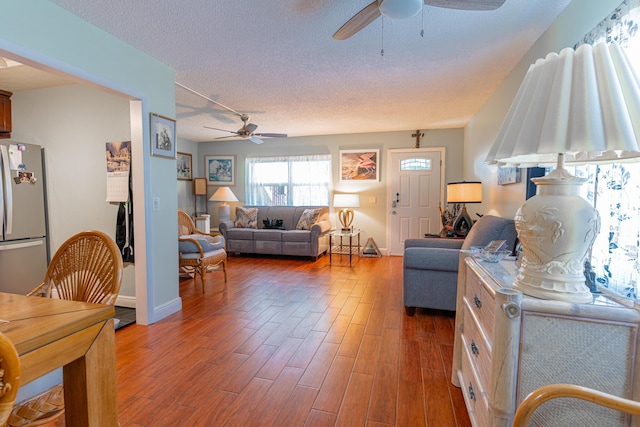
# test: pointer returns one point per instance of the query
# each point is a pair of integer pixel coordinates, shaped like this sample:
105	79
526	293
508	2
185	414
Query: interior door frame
392	151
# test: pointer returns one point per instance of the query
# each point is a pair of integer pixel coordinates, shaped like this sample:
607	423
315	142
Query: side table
343	248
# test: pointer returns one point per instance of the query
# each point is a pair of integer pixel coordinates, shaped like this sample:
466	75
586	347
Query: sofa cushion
207	243
266	234
296	236
246	217
240	233
490	228
307	219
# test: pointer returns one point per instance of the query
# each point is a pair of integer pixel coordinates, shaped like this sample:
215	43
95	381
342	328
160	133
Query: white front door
414	188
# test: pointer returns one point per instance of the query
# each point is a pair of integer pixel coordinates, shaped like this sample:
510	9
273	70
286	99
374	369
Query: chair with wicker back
198	251
87	267
9	378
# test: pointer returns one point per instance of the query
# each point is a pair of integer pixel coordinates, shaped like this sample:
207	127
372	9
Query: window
415	165
288	180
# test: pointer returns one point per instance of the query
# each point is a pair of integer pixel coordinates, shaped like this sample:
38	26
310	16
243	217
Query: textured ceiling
277	61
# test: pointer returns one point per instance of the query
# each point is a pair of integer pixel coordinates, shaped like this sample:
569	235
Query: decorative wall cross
417	136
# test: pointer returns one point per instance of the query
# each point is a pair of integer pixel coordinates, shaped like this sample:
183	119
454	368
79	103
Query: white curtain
288	180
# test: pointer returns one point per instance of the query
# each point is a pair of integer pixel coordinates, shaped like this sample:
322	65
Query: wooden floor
291	343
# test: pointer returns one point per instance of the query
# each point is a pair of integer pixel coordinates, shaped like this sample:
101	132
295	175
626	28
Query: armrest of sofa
320	228
439	259
434	242
224	226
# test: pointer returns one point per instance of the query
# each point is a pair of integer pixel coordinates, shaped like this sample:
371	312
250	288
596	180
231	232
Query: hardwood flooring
291	342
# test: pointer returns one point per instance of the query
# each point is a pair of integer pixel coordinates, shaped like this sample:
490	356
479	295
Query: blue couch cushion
207	244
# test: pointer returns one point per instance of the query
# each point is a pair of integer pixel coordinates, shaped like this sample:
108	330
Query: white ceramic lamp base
556	228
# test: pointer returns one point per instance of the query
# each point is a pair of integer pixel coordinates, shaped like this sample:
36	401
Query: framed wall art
508	175
163	136
360	165
220	170
183	163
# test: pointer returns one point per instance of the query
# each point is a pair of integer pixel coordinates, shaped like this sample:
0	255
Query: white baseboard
125	301
167	309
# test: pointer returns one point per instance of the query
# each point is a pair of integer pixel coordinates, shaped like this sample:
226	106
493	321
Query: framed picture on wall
183	163
360	165
508	175
220	170
163	136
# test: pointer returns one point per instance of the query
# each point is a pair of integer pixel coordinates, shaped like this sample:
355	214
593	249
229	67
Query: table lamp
224	195
578	106
463	192
345	216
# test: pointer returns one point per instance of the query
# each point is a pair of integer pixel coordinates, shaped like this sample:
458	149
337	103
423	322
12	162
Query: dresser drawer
481	303
474	394
477	346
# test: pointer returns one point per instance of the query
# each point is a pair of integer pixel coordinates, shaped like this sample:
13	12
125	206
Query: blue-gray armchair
430	265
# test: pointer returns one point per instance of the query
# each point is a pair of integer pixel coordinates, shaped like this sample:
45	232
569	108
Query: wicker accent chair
87	267
199	252
9	378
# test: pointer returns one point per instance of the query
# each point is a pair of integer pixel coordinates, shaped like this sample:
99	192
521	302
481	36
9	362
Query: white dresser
508	344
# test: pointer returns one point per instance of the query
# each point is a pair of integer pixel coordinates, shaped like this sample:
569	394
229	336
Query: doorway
414	189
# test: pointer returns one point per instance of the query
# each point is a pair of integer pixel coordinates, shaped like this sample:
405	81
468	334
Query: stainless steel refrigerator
23	239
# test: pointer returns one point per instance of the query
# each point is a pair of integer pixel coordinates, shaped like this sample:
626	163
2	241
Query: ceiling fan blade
250	127
223	130
272	135
466	4
255	140
360	20
225	137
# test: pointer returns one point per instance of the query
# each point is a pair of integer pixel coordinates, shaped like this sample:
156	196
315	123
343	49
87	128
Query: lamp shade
464	192
584	103
223	194
346	200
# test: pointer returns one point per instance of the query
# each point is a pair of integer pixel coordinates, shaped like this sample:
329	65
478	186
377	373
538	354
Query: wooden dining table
78	336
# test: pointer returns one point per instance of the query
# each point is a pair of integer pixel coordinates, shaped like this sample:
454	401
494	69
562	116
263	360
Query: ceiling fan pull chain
422	29
382	38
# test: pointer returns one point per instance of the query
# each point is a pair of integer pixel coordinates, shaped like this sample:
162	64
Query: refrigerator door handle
8	211
21	245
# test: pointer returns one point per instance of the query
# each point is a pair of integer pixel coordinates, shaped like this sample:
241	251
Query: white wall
576	20
73	123
186	201
42	34
371	218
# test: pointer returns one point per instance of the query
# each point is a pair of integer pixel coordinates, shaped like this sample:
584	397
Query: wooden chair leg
224	270
203	272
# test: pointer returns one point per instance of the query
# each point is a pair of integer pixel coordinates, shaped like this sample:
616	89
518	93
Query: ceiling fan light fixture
399	9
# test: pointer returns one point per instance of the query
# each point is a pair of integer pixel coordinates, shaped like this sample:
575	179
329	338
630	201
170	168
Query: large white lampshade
579	106
345	216
224	194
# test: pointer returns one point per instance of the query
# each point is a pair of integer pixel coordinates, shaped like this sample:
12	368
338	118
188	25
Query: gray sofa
286	241
430	265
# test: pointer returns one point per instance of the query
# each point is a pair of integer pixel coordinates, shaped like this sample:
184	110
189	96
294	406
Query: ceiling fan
247	131
403	9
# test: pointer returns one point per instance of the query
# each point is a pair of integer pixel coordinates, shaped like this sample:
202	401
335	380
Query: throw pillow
246	217
307	219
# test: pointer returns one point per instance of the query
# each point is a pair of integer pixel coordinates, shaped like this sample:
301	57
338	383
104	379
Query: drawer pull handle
472	395
474	348
477	301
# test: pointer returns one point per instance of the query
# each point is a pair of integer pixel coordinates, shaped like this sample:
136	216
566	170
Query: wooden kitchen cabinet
508	344
5	114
